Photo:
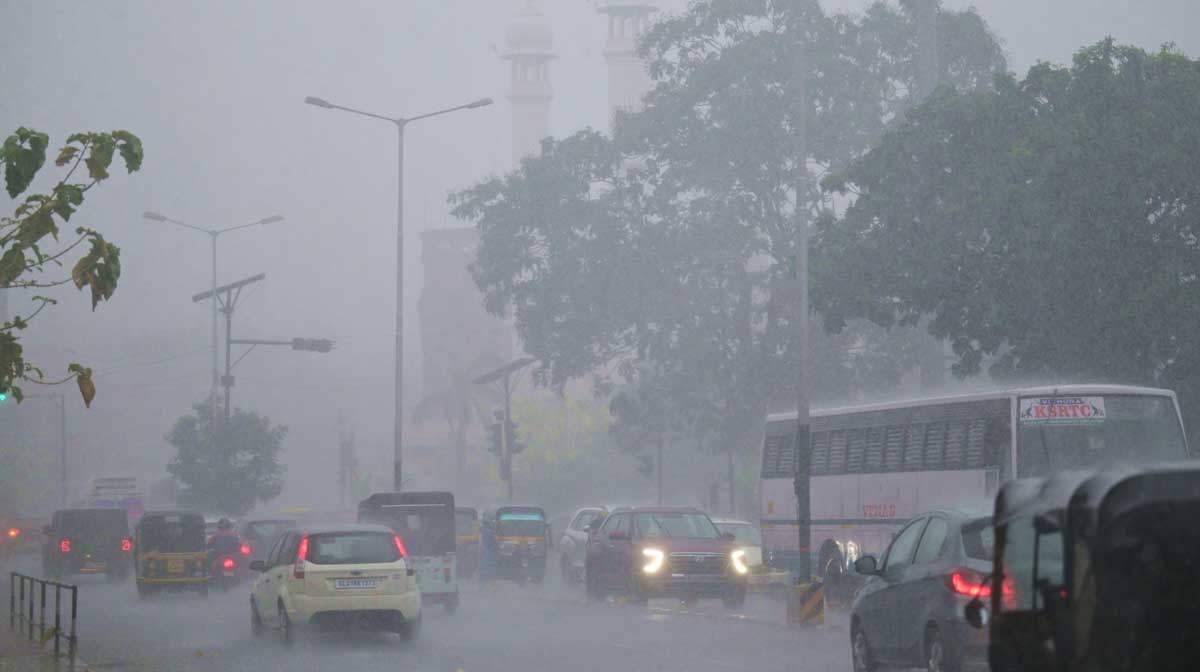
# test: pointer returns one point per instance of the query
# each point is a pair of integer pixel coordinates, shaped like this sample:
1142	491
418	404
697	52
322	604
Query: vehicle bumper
690	586
304	608
173	581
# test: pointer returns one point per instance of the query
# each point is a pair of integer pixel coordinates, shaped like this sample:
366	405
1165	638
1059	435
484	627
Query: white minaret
530	48
628	80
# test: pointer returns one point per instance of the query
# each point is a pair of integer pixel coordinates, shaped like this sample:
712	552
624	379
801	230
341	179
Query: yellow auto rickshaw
169	552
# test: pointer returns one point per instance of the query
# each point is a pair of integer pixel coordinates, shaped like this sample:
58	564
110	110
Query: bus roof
1045	390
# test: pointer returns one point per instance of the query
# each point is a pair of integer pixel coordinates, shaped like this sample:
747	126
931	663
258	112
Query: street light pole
213	234
401	123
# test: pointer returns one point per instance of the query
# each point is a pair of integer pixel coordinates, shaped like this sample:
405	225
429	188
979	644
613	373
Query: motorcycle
224	571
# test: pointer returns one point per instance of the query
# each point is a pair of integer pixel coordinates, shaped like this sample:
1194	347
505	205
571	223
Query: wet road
501	629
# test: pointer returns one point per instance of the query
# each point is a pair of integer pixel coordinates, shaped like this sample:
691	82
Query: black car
259	534
909	613
88	541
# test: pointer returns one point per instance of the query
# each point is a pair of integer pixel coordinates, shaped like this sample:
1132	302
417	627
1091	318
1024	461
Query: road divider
27	603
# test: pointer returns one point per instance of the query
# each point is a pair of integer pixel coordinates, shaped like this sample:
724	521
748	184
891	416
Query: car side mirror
728	536
976	614
258	566
867	565
618	536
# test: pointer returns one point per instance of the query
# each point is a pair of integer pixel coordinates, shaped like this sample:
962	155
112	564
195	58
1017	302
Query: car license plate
354	584
175	566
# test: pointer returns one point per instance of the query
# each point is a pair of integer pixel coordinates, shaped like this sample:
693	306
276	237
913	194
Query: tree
230	467
460	403
668	247
1046	227
29	240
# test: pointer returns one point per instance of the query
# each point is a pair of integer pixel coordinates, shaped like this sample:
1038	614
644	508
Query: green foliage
24	257
664	253
1046	227
230	467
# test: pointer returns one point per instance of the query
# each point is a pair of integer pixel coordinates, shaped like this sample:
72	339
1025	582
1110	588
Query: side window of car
932	541
610	524
901	551
273	558
581	521
288	553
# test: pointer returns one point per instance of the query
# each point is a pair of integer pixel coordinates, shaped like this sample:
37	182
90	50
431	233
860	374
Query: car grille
698	563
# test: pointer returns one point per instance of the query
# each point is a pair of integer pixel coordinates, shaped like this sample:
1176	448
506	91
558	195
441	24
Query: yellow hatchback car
335	575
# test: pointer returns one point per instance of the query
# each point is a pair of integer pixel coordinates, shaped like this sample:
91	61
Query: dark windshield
520	525
464	521
352	548
680	525
427	530
98	523
171	534
1056	433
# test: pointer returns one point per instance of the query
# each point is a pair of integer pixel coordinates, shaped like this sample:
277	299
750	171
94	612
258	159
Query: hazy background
215	91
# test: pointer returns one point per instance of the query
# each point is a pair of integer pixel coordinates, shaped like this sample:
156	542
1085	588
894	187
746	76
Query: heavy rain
600	335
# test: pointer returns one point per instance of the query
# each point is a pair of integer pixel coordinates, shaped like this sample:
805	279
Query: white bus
872	467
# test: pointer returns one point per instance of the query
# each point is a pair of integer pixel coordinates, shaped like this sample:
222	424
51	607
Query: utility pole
232	292
658	467
346	461
803	445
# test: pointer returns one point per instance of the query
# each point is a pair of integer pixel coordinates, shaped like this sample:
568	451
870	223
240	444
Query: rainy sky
215	91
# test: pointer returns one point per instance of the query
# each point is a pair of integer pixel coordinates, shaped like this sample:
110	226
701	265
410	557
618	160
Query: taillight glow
969	583
301	557
227	563
126	545
246	549
65	546
14	532
400	545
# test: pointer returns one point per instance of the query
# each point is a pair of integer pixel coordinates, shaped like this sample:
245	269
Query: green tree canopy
665	249
1047	227
30	248
230	467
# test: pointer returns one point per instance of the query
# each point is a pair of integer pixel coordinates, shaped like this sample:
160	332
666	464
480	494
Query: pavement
18	654
499	627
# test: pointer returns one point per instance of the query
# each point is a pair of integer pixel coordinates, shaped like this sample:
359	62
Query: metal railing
25	593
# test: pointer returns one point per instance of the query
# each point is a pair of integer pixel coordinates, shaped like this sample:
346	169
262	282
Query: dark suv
910	611
88	541
644	552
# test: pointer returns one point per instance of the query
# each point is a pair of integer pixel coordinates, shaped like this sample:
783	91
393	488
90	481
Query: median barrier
27	602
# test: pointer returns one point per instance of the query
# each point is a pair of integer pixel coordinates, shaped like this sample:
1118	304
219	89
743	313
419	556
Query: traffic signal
312	344
495	439
3	397
514	446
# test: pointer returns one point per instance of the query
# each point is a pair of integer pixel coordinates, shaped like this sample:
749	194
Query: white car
572	547
748	538
332	575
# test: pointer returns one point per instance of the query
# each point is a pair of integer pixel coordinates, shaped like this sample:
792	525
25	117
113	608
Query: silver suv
573	546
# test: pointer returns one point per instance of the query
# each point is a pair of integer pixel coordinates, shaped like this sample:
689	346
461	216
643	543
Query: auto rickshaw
522	539
1096	571
425	522
169	552
466	540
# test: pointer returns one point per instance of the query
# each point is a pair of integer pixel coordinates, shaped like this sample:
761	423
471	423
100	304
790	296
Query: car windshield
172	534
744	533
520	525
1057	433
676	525
94	523
267	529
979	539
352	548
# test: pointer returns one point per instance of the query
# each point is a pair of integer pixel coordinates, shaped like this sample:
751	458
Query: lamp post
400	123
213	234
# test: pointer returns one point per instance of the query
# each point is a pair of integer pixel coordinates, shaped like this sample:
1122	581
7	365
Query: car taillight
400	545
301	556
65	545
969	583
227	563
246	549
126	545
14	532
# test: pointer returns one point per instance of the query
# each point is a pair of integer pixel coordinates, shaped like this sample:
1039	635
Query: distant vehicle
87	541
645	552
522	538
259	534
748	538
170	552
572	547
426	523
466	540
873	467
909	613
115	492
1095	570
19	535
335	574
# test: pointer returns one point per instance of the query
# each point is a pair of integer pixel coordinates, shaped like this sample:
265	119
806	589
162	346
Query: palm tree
460	403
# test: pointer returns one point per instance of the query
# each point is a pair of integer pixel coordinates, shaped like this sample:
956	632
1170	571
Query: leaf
66	198
100	156
66	155
130	147
100	269
87	388
23	154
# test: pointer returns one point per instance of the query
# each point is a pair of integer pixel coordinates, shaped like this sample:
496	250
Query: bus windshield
1055	433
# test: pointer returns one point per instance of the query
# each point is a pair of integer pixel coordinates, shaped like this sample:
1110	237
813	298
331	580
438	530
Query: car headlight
654	560
738	560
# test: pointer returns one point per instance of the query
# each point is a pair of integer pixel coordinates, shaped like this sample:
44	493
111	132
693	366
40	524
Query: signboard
1062	411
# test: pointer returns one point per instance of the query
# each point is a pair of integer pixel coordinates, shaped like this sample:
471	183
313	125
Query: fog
215	91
